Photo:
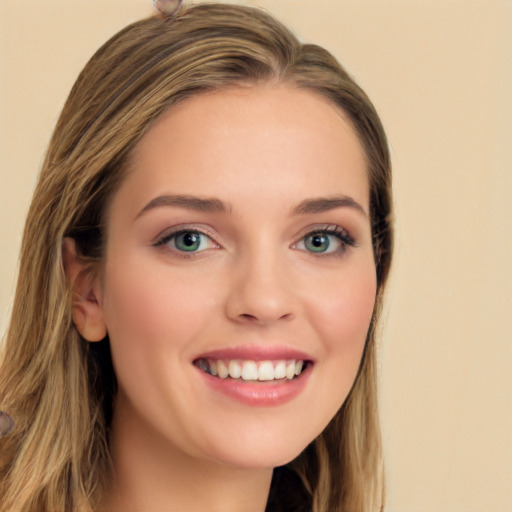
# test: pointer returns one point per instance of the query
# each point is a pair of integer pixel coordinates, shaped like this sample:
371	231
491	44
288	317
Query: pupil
318	241
190	239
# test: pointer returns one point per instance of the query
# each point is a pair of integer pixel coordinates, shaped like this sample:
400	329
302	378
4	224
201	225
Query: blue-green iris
317	242
188	242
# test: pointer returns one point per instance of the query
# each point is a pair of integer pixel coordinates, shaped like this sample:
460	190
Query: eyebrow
213	205
199	204
323	204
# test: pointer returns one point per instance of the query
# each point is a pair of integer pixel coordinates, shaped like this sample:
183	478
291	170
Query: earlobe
87	310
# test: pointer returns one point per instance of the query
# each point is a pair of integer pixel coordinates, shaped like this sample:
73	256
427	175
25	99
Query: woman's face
239	243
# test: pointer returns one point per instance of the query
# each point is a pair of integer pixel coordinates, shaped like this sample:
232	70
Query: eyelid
330	228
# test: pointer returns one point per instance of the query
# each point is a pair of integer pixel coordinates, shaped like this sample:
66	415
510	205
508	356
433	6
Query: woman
201	276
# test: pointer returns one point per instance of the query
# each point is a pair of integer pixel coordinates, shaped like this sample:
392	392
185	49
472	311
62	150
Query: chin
261	453
252	461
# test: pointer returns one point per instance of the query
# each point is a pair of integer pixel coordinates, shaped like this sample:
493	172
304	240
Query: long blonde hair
60	389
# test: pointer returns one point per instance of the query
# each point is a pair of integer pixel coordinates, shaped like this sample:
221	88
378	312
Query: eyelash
344	238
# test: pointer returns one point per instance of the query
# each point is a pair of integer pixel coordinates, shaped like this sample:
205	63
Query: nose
261	292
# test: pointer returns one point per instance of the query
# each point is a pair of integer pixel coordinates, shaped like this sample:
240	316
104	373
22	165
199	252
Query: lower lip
264	394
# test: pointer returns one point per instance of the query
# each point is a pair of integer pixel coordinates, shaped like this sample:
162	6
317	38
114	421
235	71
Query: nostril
247	316
254	318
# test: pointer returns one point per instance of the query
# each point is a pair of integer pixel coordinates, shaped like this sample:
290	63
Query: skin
177	444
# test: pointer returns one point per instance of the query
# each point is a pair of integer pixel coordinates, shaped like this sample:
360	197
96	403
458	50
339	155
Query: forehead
250	141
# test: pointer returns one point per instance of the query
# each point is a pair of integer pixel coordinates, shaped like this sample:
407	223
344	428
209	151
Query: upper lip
256	353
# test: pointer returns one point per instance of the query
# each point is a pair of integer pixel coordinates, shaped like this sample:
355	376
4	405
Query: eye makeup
323	241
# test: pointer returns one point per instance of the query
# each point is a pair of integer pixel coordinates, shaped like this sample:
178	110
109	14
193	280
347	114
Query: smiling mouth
252	371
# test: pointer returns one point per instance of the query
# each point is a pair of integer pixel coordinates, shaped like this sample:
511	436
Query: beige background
440	74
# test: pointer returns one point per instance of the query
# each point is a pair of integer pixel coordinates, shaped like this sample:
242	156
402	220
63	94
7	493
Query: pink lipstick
256	375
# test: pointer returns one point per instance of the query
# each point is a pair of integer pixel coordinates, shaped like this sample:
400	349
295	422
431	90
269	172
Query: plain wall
440	75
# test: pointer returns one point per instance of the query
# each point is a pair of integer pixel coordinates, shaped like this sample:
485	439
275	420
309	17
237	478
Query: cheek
152	316
345	309
342	316
340	311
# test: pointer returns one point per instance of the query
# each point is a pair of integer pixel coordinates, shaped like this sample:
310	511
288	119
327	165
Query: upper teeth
252	370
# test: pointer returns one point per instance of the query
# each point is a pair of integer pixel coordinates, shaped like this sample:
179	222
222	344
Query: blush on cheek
346	317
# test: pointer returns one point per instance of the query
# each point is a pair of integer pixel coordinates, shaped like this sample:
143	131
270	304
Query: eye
327	241
187	241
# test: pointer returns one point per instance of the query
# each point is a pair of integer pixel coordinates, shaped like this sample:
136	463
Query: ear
87	309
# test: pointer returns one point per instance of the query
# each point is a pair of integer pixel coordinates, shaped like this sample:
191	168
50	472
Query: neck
152	475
